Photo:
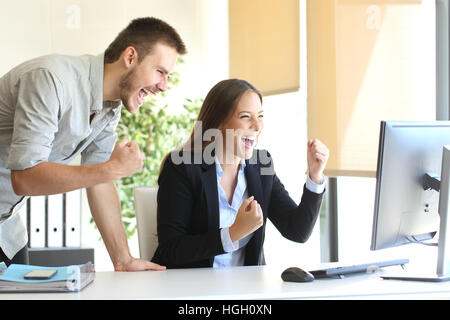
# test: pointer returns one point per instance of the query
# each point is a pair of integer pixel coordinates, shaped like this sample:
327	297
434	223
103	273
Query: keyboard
342	270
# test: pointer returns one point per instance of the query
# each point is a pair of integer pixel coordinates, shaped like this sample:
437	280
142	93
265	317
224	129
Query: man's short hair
143	34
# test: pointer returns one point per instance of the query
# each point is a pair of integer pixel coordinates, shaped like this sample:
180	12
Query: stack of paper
70	278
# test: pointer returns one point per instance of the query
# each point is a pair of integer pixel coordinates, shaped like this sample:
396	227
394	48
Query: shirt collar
219	170
96	79
239	191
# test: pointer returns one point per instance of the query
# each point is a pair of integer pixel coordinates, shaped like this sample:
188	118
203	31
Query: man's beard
125	85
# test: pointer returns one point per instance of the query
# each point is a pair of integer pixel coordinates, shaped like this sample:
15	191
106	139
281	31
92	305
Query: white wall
31	28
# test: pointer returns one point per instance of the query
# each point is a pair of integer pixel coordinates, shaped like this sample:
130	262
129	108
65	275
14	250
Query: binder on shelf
37	222
67	279
55	220
73	219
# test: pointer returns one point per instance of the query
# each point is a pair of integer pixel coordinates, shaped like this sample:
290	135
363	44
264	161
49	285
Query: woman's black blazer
188	211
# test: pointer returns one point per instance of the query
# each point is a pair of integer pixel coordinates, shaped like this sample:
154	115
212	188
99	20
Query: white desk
240	283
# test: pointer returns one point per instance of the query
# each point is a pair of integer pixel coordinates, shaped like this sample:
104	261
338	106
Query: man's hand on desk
138	265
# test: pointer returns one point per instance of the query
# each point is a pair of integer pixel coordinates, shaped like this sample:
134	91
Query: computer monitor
410	172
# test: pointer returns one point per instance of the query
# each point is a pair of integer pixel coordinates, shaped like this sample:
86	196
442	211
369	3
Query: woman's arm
295	222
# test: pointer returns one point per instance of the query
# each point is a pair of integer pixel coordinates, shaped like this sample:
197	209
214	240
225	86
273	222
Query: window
367	62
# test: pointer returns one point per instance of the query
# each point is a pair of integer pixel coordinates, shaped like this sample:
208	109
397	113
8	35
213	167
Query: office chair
145	208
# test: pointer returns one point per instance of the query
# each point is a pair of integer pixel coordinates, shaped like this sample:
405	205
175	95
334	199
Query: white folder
55	220
37	222
73	218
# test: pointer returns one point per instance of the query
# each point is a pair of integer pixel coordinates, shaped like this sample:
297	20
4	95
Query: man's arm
105	208
51	178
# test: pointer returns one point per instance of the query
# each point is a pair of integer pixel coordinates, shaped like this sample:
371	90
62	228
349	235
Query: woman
216	194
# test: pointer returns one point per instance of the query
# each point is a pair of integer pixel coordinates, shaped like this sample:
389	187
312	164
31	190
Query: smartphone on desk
43	274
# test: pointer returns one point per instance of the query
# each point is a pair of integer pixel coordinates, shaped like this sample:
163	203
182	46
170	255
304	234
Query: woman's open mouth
249	141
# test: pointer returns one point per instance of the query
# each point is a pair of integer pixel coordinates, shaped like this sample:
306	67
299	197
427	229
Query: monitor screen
404	211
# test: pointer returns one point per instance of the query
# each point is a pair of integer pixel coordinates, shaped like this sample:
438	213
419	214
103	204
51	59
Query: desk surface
263	282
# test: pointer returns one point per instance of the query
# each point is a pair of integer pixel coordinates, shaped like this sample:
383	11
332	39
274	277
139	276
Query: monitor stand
443	260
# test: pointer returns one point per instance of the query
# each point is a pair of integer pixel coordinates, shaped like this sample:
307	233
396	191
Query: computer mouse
295	274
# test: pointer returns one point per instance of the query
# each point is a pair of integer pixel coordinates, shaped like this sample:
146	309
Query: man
55	107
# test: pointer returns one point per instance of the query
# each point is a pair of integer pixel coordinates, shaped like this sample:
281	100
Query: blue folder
68	278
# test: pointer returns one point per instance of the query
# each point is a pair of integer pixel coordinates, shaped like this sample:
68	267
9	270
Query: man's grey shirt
45	110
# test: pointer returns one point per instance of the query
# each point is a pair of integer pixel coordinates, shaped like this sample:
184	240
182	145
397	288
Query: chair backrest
145	205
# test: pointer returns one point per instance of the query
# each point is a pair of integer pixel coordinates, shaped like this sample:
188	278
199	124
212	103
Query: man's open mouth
142	94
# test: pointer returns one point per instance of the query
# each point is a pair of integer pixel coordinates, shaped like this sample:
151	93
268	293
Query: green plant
157	132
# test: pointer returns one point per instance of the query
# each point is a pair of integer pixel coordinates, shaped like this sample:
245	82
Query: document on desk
67	279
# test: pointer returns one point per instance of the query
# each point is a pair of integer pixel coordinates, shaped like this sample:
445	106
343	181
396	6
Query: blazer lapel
254	184
253	251
209	182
